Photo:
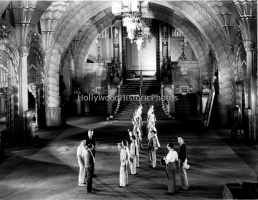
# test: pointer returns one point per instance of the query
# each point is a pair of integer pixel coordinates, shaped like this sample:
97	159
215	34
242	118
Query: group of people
174	161
86	160
130	155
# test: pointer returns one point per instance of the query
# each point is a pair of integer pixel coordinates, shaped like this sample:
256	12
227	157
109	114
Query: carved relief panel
186	74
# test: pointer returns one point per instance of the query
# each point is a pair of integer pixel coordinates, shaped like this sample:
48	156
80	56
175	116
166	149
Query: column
72	74
52	96
23	81
248	26
252	86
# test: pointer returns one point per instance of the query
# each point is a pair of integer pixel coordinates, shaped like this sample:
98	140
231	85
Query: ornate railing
164	102
119	87
140	91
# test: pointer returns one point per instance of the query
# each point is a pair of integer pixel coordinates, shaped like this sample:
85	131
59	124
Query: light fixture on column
131	12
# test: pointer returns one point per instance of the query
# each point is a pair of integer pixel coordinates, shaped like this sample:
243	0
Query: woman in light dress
124	157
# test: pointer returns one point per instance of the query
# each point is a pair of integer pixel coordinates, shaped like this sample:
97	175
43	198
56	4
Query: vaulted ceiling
66	18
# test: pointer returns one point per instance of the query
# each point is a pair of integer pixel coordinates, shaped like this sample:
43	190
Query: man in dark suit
91	140
89	166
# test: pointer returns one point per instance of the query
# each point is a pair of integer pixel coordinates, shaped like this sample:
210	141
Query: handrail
163	103
140	87
119	94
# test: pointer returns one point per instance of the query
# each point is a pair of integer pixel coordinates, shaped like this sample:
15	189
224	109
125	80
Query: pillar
52	96
248	26
252	86
23	80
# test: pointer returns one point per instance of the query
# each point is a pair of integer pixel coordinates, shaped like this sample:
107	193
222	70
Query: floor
48	169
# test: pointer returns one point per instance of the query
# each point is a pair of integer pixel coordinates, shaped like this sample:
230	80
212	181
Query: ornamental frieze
4	30
23	51
249	45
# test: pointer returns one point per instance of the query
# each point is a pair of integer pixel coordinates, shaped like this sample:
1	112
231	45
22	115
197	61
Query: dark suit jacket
89	159
182	154
90	141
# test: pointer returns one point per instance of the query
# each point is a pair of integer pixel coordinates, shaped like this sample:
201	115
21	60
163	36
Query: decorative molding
32	89
116	43
164	34
4	30
23	51
33	40
53	116
124	60
247	26
249	45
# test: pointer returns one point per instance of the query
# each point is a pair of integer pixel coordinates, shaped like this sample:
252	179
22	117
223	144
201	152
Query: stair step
132	87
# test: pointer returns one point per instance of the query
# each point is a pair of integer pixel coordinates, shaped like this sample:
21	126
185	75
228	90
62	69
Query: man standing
153	146
91	140
182	161
170	160
81	152
89	166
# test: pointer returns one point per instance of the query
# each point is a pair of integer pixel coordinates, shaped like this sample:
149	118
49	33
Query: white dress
123	176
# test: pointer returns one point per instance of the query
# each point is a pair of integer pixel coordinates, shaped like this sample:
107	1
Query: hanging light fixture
143	33
131	11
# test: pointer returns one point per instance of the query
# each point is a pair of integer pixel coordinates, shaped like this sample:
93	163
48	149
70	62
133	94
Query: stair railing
163	103
119	88
140	99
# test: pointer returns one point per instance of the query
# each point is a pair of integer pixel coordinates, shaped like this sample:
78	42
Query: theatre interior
70	66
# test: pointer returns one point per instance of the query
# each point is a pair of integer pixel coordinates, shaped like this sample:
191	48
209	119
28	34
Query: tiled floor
48	169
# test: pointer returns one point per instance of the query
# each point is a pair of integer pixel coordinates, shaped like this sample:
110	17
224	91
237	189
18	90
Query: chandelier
141	34
131	12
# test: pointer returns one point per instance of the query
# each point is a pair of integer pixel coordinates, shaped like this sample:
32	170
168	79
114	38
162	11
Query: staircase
130	100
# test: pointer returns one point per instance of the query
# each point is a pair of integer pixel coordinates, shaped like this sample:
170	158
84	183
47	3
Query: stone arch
196	42
213	34
191	11
34	42
62	38
88	38
10	49
9	53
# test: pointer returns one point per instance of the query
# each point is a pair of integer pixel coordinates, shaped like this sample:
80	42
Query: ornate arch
187	10
34	42
214	35
191	33
62	38
9	50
